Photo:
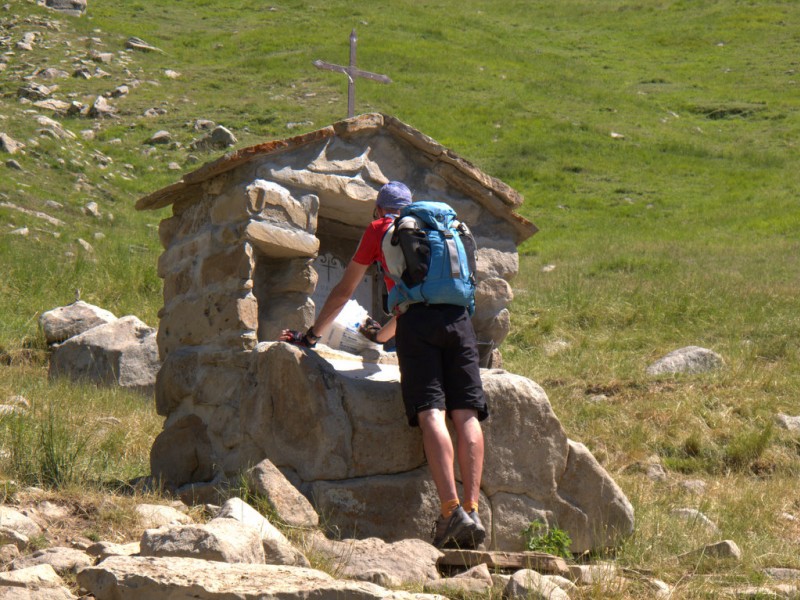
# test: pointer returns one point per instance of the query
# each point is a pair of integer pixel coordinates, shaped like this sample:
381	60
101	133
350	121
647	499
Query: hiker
440	377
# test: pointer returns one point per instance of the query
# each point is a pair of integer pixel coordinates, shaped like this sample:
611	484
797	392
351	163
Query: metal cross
352	72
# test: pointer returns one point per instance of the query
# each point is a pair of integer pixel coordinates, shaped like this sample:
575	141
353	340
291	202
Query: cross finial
352	73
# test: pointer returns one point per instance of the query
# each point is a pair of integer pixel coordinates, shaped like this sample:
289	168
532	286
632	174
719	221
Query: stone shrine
255	241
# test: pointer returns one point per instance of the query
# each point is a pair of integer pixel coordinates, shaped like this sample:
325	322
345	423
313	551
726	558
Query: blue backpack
431	257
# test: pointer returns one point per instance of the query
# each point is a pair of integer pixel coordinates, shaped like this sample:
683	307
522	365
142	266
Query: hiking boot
457	530
480	532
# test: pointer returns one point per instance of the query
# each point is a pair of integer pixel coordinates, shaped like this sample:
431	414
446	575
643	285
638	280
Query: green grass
684	231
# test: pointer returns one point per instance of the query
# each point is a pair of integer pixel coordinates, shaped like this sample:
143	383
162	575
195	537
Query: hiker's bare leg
470	452
439	452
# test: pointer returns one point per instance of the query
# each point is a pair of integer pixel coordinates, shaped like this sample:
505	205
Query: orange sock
471	506
448	507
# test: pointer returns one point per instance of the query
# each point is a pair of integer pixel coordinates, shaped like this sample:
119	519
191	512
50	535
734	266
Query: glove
369	329
298	338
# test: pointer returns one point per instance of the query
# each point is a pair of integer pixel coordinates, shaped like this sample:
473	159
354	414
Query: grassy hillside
655	143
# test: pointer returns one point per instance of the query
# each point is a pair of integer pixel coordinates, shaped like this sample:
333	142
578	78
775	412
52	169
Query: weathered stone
724	550
59	107
181	453
122	352
207	319
18	522
279	241
39	582
160	137
493	262
530	585
10	536
70	7
53	73
63	560
494	328
277	548
134	578
491	296
152	516
405	562
693	517
64	322
9	144
593	574
102	550
788	422
476	580
691	359
101	108
290	505
35	91
222	540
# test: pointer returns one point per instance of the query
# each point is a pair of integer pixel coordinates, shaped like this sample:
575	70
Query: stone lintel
281	242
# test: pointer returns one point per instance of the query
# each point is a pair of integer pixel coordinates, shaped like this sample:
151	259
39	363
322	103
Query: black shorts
438	356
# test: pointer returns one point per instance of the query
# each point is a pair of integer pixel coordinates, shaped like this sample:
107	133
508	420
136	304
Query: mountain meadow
655	143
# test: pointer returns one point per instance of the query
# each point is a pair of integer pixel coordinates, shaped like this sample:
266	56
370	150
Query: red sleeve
369	248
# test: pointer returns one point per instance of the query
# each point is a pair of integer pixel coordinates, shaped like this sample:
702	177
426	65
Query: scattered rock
530	585
593	574
55	127
82	73
135	43
694	517
102	550
57	106
101	108
152	516
409	561
154	112
8	144
35	91
92	209
41	581
277	549
782	574
691	359
18	522
724	550
290	505
476	580
219	138
63	560
172	74
149	577
221	540
122	352
65	322
788	422
12	164
160	137
52	73
694	486
70	7
119	91
101	57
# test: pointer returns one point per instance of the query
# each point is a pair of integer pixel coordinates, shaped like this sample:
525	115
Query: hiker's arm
340	294
386	332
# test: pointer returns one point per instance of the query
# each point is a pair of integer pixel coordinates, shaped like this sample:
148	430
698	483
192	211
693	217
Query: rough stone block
281	242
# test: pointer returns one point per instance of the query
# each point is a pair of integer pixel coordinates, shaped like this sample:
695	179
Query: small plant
551	540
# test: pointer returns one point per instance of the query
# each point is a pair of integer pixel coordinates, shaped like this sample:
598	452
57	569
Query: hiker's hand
370	329
298	338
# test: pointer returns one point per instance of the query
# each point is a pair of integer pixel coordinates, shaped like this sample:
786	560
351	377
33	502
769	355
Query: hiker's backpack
430	256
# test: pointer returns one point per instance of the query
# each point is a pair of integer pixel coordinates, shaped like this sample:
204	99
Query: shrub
551	540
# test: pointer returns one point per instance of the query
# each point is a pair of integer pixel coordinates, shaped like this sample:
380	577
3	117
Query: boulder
134	578
9	144
691	359
223	540
529	585
289	504
476	580
123	352
16	521
39	582
407	562
71	7
64	322
277	548
181	453
63	560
